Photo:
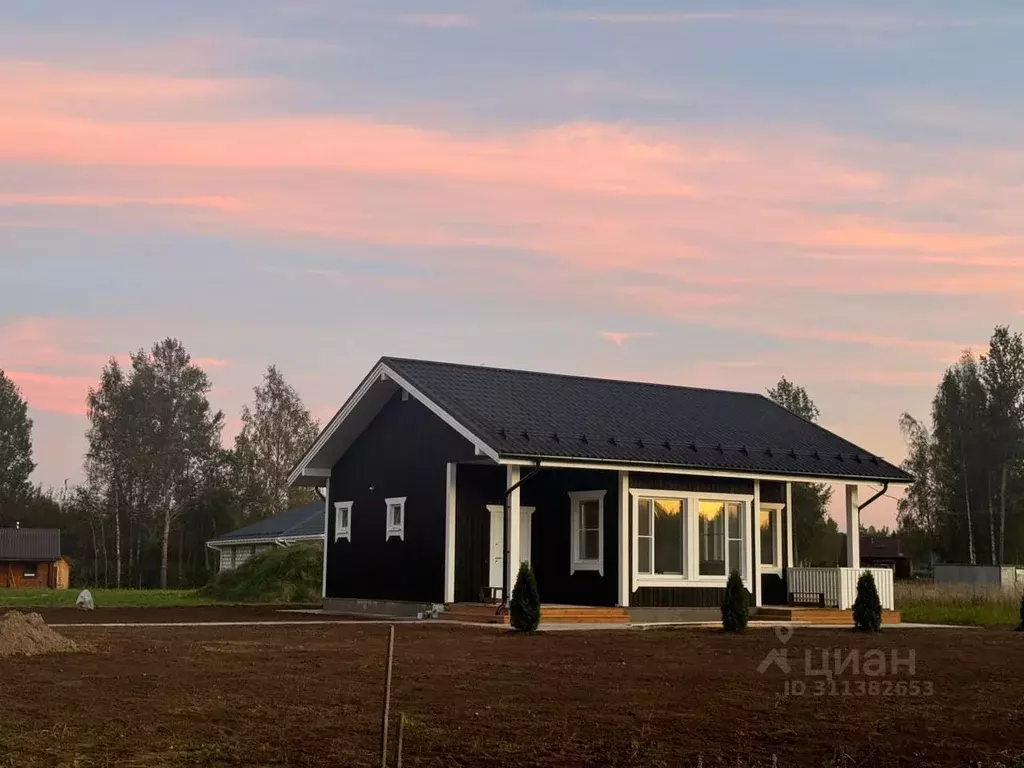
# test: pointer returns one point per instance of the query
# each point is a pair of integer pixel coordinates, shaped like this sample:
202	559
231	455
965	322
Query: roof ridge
577	376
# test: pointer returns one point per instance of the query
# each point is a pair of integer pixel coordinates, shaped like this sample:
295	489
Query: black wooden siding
690	483
403	452
476	486
677	597
551	544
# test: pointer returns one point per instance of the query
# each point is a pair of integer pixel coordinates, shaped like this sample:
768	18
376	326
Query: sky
713	194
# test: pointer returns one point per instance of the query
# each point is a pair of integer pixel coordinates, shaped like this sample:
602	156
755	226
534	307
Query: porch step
816	615
479	613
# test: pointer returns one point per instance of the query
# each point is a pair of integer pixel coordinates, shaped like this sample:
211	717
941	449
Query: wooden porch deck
816	615
484	613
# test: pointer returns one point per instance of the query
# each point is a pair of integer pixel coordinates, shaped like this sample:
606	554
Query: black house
616	492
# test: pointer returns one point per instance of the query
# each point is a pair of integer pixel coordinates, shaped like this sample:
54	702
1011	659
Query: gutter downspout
503	608
873	499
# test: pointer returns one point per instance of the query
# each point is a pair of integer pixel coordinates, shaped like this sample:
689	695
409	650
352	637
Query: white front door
497	560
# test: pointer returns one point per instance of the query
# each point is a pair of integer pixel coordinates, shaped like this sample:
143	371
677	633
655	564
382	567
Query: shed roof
300	523
30	544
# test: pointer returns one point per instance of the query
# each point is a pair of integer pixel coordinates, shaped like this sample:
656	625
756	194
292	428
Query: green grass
980	606
280	575
125	598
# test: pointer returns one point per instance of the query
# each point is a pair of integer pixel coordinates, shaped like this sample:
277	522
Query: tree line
967	504
158	481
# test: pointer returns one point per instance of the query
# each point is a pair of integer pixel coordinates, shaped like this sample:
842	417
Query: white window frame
576	499
394	529
691	555
342	531
662	579
775	509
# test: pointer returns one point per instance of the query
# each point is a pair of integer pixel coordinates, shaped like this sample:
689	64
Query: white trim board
662	469
263	540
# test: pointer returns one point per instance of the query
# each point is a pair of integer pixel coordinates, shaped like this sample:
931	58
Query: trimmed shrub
525	605
735	605
867	608
291	574
1020	627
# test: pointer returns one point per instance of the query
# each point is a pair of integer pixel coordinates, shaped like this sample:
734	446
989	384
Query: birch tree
1002	371
275	434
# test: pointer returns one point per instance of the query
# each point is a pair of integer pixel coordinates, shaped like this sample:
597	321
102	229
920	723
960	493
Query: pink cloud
56	360
618	338
210	362
56	394
437	20
708	218
110	201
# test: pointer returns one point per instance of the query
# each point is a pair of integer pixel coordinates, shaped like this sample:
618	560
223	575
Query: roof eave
215	543
560	462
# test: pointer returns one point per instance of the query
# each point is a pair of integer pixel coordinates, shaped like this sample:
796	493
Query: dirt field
310	696
175	614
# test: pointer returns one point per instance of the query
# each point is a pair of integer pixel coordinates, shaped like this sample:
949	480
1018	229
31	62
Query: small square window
29	571
395	519
343	520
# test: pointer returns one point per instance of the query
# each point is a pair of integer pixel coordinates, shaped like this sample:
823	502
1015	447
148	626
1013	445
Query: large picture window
720	533
661	536
684	538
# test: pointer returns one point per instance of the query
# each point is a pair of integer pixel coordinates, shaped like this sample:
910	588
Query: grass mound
26	634
281	575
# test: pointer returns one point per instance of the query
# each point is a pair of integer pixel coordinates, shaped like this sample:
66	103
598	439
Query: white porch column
852	528
624	540
449	537
755	526
327	513
790	557
512	561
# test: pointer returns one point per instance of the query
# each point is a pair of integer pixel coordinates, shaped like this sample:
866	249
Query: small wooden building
31	557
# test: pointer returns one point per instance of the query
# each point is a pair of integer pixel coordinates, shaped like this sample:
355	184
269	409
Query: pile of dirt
26	634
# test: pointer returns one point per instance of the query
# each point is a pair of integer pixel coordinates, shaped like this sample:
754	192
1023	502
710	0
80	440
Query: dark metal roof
302	521
881	546
39	545
530	415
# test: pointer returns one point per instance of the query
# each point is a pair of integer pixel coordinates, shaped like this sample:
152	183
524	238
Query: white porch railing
839	585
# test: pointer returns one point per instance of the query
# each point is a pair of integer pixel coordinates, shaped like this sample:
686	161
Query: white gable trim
381	372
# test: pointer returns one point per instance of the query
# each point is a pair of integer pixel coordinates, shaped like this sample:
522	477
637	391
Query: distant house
881	552
300	524
31	557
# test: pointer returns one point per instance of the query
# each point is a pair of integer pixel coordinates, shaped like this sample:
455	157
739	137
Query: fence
839	585
1007	577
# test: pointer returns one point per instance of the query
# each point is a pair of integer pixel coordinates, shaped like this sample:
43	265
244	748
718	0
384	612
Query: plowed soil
160	615
311	695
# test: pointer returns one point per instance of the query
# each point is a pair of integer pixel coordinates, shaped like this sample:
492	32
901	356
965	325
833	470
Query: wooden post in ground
401	734
387	700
